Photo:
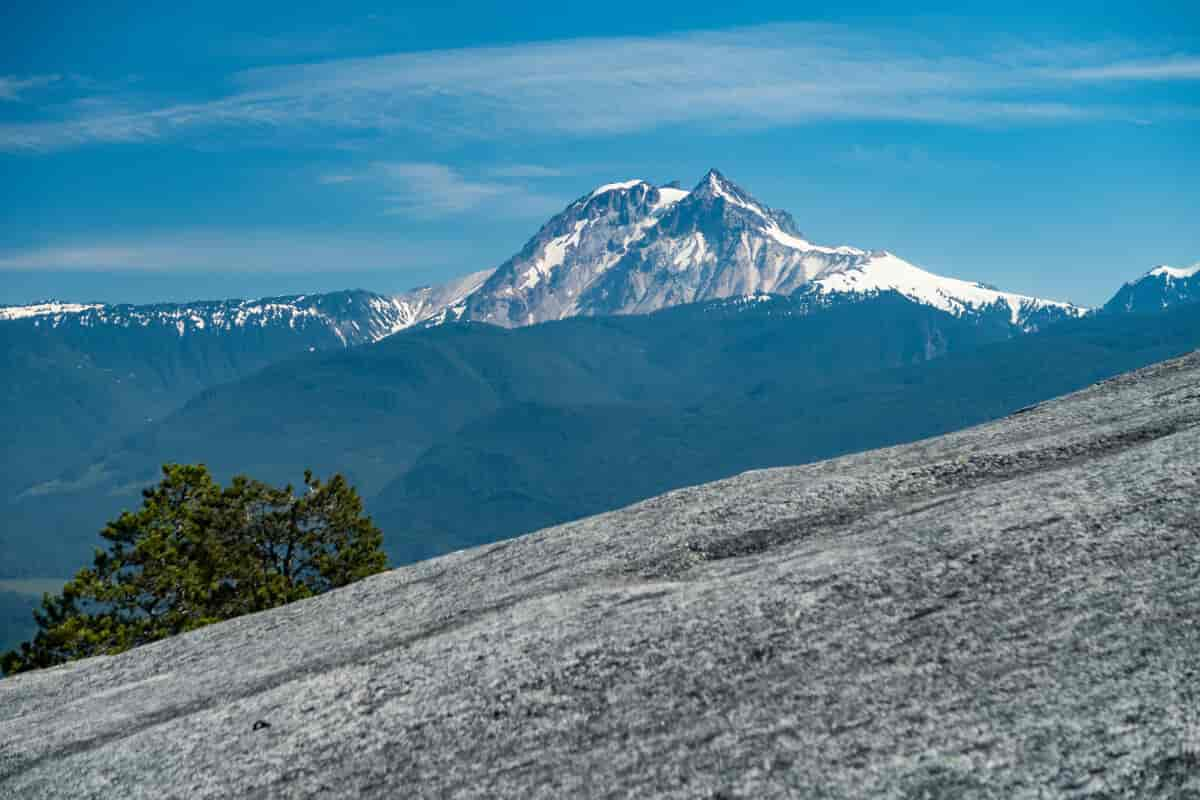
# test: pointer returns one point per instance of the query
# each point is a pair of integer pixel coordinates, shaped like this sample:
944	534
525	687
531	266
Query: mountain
631	248
312	321
83	375
372	411
80	376
1008	611
321	320
1161	287
624	248
464	433
524	467
689	305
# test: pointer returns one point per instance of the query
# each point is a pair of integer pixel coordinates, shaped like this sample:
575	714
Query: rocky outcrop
1008	611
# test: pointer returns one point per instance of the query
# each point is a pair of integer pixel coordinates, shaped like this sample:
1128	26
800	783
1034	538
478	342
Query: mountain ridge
517	420
627	247
352	316
631	247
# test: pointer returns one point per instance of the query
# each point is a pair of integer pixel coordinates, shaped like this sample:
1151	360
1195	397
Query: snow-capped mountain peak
48	308
631	247
1161	287
549	276
1175	273
625	247
775	224
346	318
717	186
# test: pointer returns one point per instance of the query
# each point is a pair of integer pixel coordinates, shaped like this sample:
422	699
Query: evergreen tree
196	553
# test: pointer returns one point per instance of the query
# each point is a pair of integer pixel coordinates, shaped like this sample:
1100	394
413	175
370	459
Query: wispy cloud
12	87
759	76
232	251
1169	69
433	189
425	190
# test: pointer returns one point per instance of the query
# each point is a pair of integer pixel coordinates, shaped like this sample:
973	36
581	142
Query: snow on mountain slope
47	309
546	279
626	247
352	317
422	303
883	271
629	247
1176	273
1161	287
716	242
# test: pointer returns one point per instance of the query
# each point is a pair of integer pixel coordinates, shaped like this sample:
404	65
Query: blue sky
232	150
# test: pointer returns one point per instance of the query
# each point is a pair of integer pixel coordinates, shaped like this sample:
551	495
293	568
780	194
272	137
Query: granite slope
1012	610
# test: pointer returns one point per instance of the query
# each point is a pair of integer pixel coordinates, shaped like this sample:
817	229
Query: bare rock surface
1008	611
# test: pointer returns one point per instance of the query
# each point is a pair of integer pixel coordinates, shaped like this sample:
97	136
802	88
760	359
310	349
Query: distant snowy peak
50	308
631	247
627	247
1161	287
775	223
349	317
715	186
882	271
1175	273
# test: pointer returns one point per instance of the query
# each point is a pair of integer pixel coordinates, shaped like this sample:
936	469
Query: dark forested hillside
466	433
527	467
77	382
370	412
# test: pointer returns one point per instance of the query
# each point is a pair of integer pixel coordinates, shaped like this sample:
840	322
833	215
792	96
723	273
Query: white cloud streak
232	251
426	190
1171	69
435	189
12	87
760	76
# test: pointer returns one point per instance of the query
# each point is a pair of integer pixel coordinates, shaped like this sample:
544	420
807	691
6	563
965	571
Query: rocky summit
632	248
1008	611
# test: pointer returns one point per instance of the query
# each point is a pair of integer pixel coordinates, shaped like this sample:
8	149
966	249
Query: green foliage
197	553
